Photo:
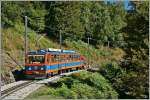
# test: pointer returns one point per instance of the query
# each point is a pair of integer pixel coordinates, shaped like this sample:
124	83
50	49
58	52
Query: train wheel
48	75
59	72
83	67
52	74
64	71
67	70
77	68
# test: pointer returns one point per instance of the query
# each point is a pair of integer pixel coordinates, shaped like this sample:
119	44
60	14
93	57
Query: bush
84	85
124	79
111	70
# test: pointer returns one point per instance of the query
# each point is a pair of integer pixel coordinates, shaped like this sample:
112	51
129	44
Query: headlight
42	68
29	68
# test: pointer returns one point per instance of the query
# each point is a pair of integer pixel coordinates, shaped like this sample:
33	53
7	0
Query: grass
82	85
42	93
96	56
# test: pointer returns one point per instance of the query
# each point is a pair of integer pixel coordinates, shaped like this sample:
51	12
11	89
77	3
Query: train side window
75	57
71	57
48	58
52	58
57	58
68	57
60	58
63	58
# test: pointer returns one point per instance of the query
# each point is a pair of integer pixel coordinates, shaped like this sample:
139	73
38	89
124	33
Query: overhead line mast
26	50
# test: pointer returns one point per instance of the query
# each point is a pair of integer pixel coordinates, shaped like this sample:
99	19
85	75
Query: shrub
84	85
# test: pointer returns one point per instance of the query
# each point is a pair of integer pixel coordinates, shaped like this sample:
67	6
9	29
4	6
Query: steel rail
11	90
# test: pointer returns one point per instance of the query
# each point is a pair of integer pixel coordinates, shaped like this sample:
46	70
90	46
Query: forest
105	24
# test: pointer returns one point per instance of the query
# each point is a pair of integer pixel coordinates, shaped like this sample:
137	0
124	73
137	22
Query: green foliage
136	60
65	18
84	85
12	12
123	79
89	51
77	21
36	13
111	70
107	23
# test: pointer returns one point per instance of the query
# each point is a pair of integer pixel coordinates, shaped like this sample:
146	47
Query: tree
64	17
136	62
14	12
108	20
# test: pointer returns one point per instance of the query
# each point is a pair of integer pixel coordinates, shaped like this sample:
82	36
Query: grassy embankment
82	85
13	43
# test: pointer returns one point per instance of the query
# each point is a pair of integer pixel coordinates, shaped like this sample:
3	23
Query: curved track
20	91
9	91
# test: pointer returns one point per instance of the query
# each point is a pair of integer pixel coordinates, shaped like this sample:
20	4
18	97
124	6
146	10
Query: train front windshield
35	59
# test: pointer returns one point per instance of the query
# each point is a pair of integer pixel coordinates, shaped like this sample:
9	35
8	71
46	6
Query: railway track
9	91
20	91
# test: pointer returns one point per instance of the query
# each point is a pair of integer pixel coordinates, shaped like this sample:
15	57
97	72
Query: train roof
51	51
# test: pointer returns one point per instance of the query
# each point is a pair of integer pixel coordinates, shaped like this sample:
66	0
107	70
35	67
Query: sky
126	3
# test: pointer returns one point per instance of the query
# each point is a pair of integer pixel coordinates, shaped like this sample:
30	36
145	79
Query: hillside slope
13	44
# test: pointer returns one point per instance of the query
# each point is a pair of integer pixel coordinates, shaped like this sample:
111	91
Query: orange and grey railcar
45	63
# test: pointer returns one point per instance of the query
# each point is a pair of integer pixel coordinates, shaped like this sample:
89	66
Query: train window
60	58
75	57
48	58
68	57
78	57
57	57
63	58
36	59
52	58
72	57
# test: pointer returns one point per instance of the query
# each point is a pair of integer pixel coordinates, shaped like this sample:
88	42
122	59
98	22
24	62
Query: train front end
35	65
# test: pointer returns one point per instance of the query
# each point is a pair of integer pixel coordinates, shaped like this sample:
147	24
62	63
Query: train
45	63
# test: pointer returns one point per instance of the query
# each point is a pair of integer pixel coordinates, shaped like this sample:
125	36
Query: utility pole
26	22
60	40
88	50
108	44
